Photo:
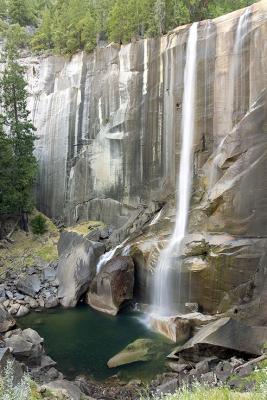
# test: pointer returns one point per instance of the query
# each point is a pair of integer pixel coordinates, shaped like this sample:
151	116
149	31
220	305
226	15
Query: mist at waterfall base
82	340
168	283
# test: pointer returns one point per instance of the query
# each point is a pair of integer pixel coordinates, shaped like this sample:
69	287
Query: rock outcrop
229	334
77	266
6	320
175	328
109	140
112	286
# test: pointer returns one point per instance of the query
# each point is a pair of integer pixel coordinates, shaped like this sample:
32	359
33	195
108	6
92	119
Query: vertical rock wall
109	122
109	140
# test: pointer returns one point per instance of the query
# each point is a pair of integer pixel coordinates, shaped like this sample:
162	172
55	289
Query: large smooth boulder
139	350
6	320
77	266
175	328
227	333
26	346
29	285
112	286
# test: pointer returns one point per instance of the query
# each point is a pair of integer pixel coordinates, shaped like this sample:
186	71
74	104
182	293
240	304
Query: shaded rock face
77	266
109	139
6	320
112	286
29	285
27	346
227	333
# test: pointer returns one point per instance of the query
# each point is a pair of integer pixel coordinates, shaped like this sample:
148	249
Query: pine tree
17	137
7	193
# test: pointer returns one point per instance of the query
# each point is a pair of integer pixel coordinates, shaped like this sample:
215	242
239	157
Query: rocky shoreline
210	353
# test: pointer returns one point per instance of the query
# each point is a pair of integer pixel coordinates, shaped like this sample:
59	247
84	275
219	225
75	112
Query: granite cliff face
109	141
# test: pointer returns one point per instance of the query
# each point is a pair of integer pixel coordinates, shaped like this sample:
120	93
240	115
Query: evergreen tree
21	12
160	15
17	137
6	172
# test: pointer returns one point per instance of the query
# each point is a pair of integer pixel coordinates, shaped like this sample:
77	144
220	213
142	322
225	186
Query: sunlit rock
195	264
77	266
177	328
139	350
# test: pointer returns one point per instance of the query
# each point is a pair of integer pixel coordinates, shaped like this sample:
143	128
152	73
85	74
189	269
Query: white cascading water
165	301
236	77
110	254
236	74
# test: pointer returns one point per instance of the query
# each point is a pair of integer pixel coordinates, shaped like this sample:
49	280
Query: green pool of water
82	340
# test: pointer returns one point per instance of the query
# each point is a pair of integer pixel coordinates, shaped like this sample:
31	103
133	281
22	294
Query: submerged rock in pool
112	286
139	350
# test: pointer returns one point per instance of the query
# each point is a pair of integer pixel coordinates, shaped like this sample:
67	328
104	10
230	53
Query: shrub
8	391
38	224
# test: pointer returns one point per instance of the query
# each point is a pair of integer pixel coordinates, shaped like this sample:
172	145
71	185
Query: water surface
82	340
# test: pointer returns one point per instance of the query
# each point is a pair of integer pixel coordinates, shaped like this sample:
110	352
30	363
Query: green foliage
38	224
16	37
8	391
67	26
202	392
18	165
21	12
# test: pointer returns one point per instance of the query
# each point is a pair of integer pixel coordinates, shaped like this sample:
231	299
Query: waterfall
166	293
237	80
110	254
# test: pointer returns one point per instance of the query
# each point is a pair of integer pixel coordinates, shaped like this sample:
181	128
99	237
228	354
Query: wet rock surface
139	350
112	286
177	329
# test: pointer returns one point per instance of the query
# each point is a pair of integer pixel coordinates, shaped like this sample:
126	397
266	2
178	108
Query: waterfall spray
166	300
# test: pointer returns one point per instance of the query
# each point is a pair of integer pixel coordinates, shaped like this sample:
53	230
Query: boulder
49	274
168	387
62	386
177	367
51	302
112	286
77	266
29	284
21	348
26	346
227	333
32	336
139	350
6	320
175	328
22	311
47	362
32	302
2	292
